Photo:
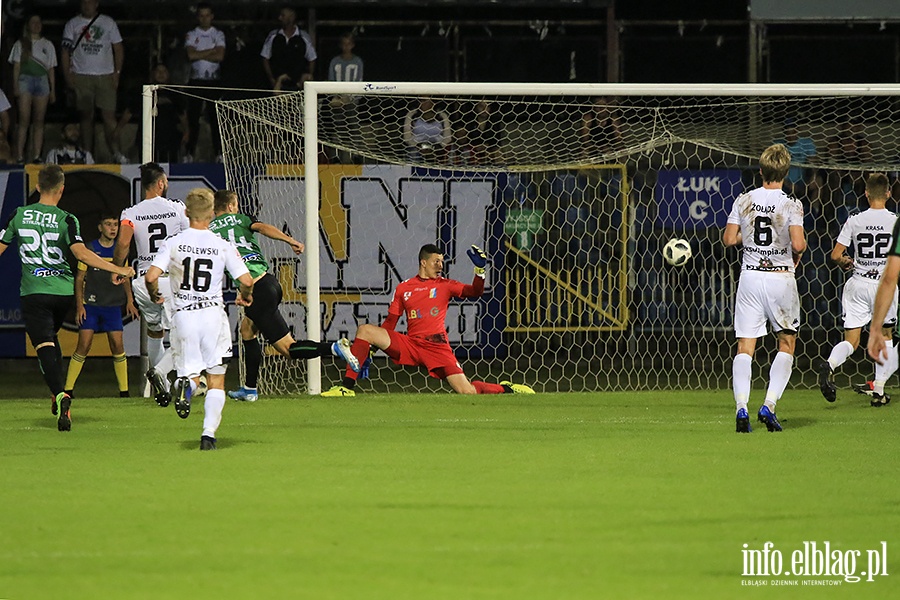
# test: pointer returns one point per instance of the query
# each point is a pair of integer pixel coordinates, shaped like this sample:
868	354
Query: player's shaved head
50	178
877	186
427	250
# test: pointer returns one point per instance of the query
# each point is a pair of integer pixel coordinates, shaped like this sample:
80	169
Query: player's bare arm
80	313
152	280
732	235
798	242
272	232
81	252
245	294
840	258
877	343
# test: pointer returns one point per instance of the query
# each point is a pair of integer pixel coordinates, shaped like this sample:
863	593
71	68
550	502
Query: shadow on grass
221	444
794	422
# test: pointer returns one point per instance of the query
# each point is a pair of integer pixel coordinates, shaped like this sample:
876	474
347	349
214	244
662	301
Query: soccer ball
677	252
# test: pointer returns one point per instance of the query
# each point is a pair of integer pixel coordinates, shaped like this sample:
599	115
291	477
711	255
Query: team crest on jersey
45	272
432	293
406	296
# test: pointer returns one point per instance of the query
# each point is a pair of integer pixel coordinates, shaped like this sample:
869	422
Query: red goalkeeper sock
488	388
360	349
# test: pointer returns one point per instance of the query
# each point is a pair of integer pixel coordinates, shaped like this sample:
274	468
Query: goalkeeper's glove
479	259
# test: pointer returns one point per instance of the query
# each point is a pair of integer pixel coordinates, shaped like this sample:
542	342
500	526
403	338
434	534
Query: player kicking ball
424	300
196	260
263	316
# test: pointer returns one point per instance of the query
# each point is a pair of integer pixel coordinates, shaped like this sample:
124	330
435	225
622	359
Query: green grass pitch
604	495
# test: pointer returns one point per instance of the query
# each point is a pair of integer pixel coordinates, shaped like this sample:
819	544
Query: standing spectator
4	115
98	308
802	149
340	117
34	83
601	130
70	151
172	129
205	47
288	51
426	132
92	59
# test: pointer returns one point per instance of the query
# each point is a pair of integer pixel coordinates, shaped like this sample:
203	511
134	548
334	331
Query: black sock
349	383
310	349
51	367
252	360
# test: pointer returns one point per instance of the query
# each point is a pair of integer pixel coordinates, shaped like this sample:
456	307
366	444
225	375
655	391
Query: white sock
779	375
892	361
155	350
165	365
212	411
840	354
741	372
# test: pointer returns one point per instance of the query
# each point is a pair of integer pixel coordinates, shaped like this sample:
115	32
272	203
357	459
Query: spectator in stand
802	149
484	136
70	151
34	84
205	47
426	132
92	59
601	129
288	51
4	116
341	121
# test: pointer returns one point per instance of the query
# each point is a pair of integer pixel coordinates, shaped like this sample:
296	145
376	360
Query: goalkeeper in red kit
424	300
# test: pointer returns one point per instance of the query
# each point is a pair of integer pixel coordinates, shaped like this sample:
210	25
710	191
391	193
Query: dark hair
151	172
223	198
106	216
427	250
50	178
202	5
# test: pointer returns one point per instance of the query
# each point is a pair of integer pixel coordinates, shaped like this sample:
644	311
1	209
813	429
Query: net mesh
574	198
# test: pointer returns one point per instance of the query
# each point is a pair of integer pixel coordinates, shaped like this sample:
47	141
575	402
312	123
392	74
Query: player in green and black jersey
263	315
49	240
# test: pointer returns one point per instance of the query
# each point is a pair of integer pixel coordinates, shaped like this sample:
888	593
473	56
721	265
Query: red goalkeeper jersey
425	301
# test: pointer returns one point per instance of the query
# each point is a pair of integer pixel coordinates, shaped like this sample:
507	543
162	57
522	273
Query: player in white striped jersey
196	260
868	234
769	224
149	223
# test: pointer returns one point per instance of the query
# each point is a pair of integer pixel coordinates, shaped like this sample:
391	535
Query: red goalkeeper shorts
437	357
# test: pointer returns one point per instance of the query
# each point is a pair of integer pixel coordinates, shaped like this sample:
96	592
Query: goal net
572	190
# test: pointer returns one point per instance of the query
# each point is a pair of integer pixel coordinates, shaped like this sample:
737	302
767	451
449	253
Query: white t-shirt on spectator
4	102
94	54
42	51
200	39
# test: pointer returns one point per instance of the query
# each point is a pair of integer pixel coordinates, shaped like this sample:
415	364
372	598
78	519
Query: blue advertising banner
696	199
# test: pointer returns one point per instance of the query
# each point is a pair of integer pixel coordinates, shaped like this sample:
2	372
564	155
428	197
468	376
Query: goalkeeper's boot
181	393
64	423
207	443
202	387
880	399
826	381
743	422
866	389
341	349
339	390
515	388
768	417
158	388
244	394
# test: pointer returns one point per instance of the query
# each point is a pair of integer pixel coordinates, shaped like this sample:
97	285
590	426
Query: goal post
573	189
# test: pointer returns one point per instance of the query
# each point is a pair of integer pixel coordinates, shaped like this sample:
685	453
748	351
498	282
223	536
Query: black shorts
44	315
264	310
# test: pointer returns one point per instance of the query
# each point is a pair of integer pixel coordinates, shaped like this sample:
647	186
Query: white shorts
158	316
201	340
858	303
766	297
